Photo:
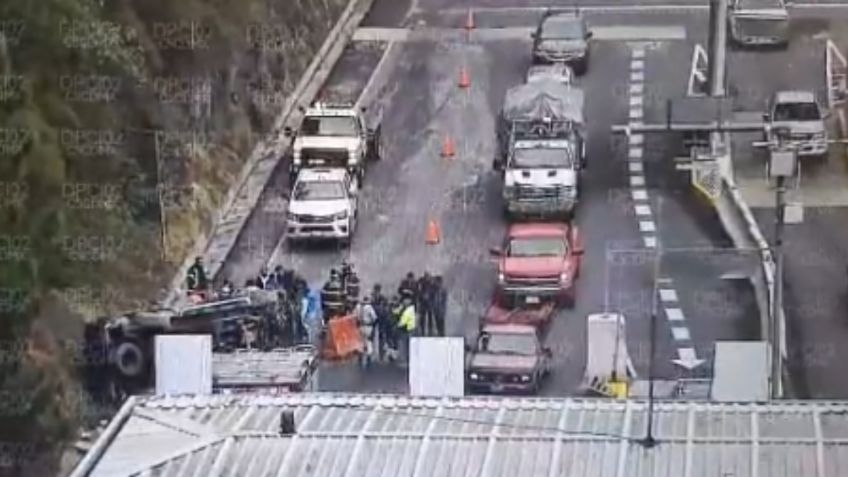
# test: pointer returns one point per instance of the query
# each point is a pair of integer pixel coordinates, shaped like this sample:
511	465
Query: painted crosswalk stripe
674	314
647	226
637	65
668	295
681	333
635	166
637	88
640	194
635	152
637	140
637	76
636	113
642	210
636	101
637	180
650	242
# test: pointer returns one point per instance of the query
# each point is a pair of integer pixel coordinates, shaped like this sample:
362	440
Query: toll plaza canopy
546	98
355	435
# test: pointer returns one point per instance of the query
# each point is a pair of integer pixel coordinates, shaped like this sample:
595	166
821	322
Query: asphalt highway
420	104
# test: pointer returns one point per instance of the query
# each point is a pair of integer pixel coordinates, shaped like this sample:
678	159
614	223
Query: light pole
783	164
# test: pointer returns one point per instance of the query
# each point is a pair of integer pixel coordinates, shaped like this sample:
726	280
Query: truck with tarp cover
542	148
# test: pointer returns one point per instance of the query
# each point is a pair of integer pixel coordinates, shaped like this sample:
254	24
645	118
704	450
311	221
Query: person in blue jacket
311	318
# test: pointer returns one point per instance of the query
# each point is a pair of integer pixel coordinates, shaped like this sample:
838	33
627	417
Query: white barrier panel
437	367
836	74
183	364
606	336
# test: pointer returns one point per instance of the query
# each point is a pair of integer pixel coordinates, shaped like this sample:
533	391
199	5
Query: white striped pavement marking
647	226
674	314
636	101
687	354
637	76
635	152
681	333
638	53
636	113
637	180
637	140
668	295
650	242
642	209
637	88
635	166
640	194
637	65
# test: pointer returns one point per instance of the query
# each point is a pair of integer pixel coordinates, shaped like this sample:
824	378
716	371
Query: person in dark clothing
289	280
332	297
351	284
423	305
384	324
196	279
439	304
263	280
408	286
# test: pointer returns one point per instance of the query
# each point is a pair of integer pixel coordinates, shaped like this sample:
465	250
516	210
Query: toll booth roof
701	110
263	368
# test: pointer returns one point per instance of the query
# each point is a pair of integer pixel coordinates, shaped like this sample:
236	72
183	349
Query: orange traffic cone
464	79
448	147
469	21
434	234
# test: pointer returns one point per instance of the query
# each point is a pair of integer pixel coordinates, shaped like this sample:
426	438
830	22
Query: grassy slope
64	263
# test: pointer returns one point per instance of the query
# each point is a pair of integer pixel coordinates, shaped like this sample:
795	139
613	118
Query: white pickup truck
798	117
323	205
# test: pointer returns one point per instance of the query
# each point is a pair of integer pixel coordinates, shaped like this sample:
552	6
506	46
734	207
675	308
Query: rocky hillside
122	125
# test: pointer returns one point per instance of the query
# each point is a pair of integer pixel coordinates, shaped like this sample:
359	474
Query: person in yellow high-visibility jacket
407	323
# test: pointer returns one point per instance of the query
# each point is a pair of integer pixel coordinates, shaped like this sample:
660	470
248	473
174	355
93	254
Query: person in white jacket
367	319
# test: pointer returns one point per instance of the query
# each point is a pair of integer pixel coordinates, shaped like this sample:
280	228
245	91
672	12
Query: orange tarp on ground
343	339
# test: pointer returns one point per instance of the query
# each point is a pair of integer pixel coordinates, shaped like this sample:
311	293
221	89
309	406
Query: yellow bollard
620	389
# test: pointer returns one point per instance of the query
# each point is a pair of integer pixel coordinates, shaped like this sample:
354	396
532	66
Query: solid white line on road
640	194
650	242
642	209
635	166
668	295
674	314
681	333
647	226
637	181
635	153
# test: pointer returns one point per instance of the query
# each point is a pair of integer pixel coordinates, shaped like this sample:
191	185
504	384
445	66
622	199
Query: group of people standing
386	323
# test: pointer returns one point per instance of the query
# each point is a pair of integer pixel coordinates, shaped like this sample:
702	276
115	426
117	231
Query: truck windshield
329	126
536	247
562	29
796	112
760	27
523	344
319	190
559	158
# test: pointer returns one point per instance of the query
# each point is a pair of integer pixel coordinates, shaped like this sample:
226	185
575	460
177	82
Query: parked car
797	117
562	37
759	23
539	261
508	358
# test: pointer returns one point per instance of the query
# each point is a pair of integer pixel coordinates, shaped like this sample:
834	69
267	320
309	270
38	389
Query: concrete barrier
743	229
253	179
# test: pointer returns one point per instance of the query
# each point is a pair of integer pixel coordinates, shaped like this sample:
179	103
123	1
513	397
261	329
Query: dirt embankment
122	125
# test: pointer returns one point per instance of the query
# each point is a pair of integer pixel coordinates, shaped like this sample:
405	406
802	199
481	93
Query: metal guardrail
836	75
698	80
244	195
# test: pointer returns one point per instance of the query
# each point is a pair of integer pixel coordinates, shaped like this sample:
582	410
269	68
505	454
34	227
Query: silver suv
562	37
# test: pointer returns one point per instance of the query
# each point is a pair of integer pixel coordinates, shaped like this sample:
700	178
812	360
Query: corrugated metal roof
392	436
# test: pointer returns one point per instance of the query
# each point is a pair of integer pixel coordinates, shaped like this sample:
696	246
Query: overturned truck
121	348
542	148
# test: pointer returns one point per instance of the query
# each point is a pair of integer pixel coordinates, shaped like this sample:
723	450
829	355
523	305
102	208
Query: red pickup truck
539	261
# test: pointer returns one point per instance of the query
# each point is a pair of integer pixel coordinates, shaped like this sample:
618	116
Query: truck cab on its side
797	117
333	136
758	23
323	205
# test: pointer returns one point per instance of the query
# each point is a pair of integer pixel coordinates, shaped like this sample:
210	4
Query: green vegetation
86	181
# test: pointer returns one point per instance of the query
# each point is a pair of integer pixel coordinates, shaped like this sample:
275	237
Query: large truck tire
129	359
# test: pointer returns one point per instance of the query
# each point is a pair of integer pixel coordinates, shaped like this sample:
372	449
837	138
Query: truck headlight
296	159
474	376
565	278
501	278
525	378
353	157
340	216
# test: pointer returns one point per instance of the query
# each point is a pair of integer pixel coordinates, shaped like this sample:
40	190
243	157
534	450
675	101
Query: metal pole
777	304
717	47
163	222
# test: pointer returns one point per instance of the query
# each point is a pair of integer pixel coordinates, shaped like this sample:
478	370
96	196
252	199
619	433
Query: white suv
323	205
